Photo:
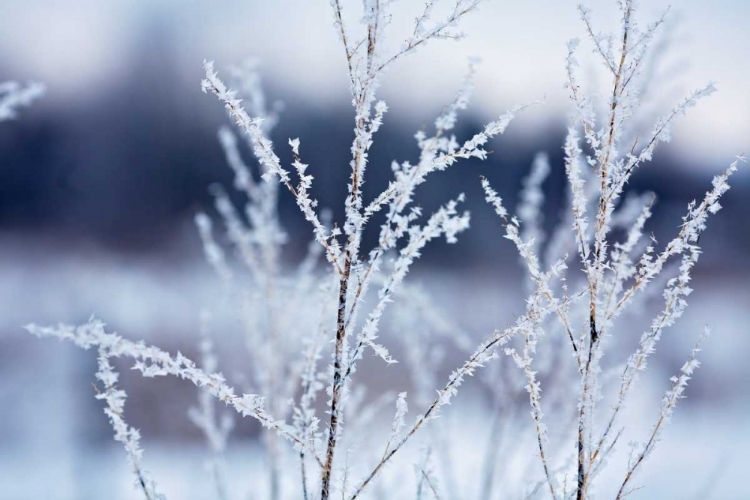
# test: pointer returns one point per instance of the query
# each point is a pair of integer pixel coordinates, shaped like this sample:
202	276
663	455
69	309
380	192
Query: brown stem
337	378
598	262
304	475
341	324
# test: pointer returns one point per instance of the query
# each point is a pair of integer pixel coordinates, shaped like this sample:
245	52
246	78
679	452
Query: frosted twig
483	354
128	436
671	398
153	362
263	149
529	209
13	96
441	29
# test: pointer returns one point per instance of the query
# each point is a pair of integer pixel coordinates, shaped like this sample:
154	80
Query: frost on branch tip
13	96
264	152
262	146
532	200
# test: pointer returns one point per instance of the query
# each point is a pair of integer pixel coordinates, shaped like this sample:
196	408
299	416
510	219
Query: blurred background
100	180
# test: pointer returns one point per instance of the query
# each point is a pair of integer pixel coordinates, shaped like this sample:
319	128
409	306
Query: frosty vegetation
307	328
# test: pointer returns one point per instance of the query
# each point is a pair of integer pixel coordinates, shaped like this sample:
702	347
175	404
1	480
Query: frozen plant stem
595	272
364	70
337	379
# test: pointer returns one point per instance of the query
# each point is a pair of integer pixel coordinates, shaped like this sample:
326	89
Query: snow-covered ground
55	443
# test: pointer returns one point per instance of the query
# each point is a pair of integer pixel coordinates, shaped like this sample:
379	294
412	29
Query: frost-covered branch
532	200
263	149
153	362
694	223
128	436
13	96
612	169
668	404
446	221
442	29
214	253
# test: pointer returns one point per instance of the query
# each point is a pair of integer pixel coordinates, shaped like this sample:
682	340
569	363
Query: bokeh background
100	180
